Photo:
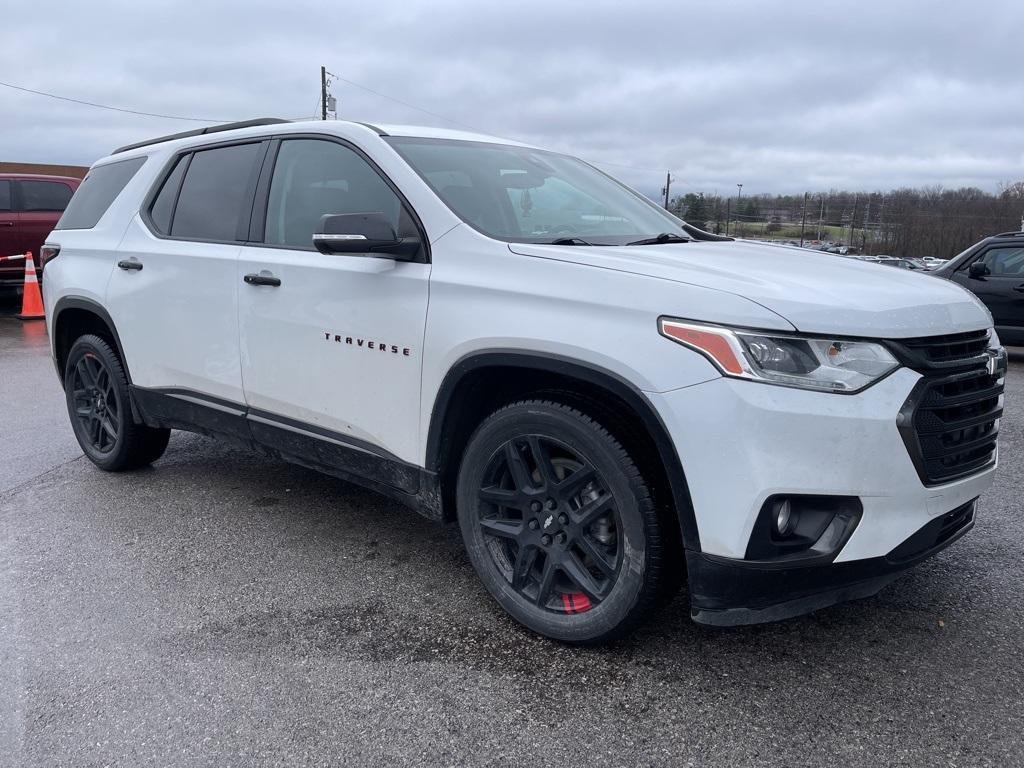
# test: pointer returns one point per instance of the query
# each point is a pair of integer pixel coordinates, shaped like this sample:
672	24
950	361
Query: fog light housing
800	528
782	511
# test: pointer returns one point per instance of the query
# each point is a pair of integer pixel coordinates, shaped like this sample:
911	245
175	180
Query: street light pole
803	220
739	198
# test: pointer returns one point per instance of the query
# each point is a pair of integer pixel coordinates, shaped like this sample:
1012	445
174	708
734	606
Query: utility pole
821	215
668	185
728	215
803	220
867	221
853	218
323	93
739	198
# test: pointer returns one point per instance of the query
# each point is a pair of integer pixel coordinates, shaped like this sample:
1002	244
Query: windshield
526	195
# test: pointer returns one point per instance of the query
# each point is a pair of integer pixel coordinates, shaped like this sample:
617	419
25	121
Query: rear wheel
96	389
559	523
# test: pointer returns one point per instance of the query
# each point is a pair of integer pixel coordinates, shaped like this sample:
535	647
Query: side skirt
310	446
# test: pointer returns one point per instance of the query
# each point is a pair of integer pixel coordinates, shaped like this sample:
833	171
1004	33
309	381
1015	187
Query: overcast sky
784	96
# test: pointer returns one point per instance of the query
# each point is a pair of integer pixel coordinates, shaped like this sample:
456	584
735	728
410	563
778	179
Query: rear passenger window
215	194
98	190
44	195
163	206
5	195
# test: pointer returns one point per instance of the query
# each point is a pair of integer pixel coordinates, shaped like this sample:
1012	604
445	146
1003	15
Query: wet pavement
220	608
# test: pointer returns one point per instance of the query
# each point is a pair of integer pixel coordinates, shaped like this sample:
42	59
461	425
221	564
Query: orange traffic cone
31	298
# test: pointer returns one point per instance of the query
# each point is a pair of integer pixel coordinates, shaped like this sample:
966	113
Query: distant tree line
926	221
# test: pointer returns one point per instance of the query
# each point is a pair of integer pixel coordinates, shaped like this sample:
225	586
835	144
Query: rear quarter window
98	190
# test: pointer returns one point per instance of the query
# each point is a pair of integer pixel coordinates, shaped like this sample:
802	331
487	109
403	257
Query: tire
559	523
96	390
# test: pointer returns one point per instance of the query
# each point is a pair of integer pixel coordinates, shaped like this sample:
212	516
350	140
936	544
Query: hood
816	292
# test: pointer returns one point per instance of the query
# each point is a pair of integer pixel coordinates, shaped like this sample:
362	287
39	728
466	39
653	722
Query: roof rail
1010	234
202	131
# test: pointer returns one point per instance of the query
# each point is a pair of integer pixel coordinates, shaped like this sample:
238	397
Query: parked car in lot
892	261
29	208
993	270
607	399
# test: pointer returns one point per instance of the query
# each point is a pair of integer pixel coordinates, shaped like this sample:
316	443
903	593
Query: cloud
782	97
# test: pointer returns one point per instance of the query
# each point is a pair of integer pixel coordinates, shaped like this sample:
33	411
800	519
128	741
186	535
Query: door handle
263	278
1019	288
6	223
129	264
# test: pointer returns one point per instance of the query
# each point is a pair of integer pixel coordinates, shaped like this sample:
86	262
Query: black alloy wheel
550	523
559	523
98	400
98	407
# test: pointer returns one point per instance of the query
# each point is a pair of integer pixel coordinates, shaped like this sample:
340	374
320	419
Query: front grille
950	422
950	348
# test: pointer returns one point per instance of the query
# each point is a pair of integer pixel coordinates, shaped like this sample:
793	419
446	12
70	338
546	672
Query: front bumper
727	592
742	442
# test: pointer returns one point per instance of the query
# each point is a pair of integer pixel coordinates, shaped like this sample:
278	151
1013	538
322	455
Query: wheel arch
74	316
520	374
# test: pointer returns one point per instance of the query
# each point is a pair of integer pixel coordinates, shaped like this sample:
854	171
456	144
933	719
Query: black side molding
307	445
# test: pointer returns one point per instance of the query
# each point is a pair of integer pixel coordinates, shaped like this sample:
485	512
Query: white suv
608	400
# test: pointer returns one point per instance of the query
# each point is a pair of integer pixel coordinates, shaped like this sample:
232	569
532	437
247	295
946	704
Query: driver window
1004	262
313	178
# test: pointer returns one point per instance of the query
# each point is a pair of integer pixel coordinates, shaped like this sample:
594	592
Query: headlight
807	362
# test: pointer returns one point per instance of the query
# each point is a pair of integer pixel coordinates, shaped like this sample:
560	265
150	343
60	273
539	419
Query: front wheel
96	388
559	524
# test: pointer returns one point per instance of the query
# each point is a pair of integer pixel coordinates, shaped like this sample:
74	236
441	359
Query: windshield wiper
664	237
567	241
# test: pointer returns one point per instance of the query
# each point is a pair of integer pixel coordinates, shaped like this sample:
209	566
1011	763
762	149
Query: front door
331	344
1002	289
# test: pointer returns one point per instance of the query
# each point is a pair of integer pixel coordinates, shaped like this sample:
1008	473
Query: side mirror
367	234
978	270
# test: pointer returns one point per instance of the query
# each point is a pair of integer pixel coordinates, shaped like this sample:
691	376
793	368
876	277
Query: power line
338	77
461	124
407	104
113	109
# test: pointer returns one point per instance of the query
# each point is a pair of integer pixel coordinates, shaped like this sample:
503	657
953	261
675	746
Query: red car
29	208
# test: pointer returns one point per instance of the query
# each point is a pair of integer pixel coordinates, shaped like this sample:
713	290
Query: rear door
42	203
334	349
173	296
1002	289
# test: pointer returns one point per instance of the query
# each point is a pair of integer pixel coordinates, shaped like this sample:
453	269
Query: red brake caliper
576	602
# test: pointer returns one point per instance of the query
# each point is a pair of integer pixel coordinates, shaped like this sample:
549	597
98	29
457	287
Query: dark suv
994	271
29	208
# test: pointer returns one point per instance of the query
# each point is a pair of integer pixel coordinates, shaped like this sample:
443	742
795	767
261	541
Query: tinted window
313	178
5	195
97	191
44	195
163	206
1004	262
214	194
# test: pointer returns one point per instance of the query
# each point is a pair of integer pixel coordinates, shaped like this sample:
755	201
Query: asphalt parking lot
223	609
